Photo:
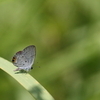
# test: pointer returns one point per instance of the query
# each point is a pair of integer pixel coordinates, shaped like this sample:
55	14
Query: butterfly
24	59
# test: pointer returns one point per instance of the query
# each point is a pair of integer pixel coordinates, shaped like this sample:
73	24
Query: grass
27	81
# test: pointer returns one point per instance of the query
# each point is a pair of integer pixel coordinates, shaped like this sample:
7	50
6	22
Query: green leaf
27	81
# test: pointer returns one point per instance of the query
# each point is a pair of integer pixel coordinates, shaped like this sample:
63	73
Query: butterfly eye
14	59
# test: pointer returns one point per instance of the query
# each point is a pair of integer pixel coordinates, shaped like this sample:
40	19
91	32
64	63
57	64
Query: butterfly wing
30	53
19	60
24	59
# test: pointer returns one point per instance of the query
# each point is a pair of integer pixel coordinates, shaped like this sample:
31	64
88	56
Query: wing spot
14	59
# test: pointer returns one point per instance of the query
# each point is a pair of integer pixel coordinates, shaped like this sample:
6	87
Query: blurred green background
67	37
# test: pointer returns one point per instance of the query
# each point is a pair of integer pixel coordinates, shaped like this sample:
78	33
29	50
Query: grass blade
27	81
